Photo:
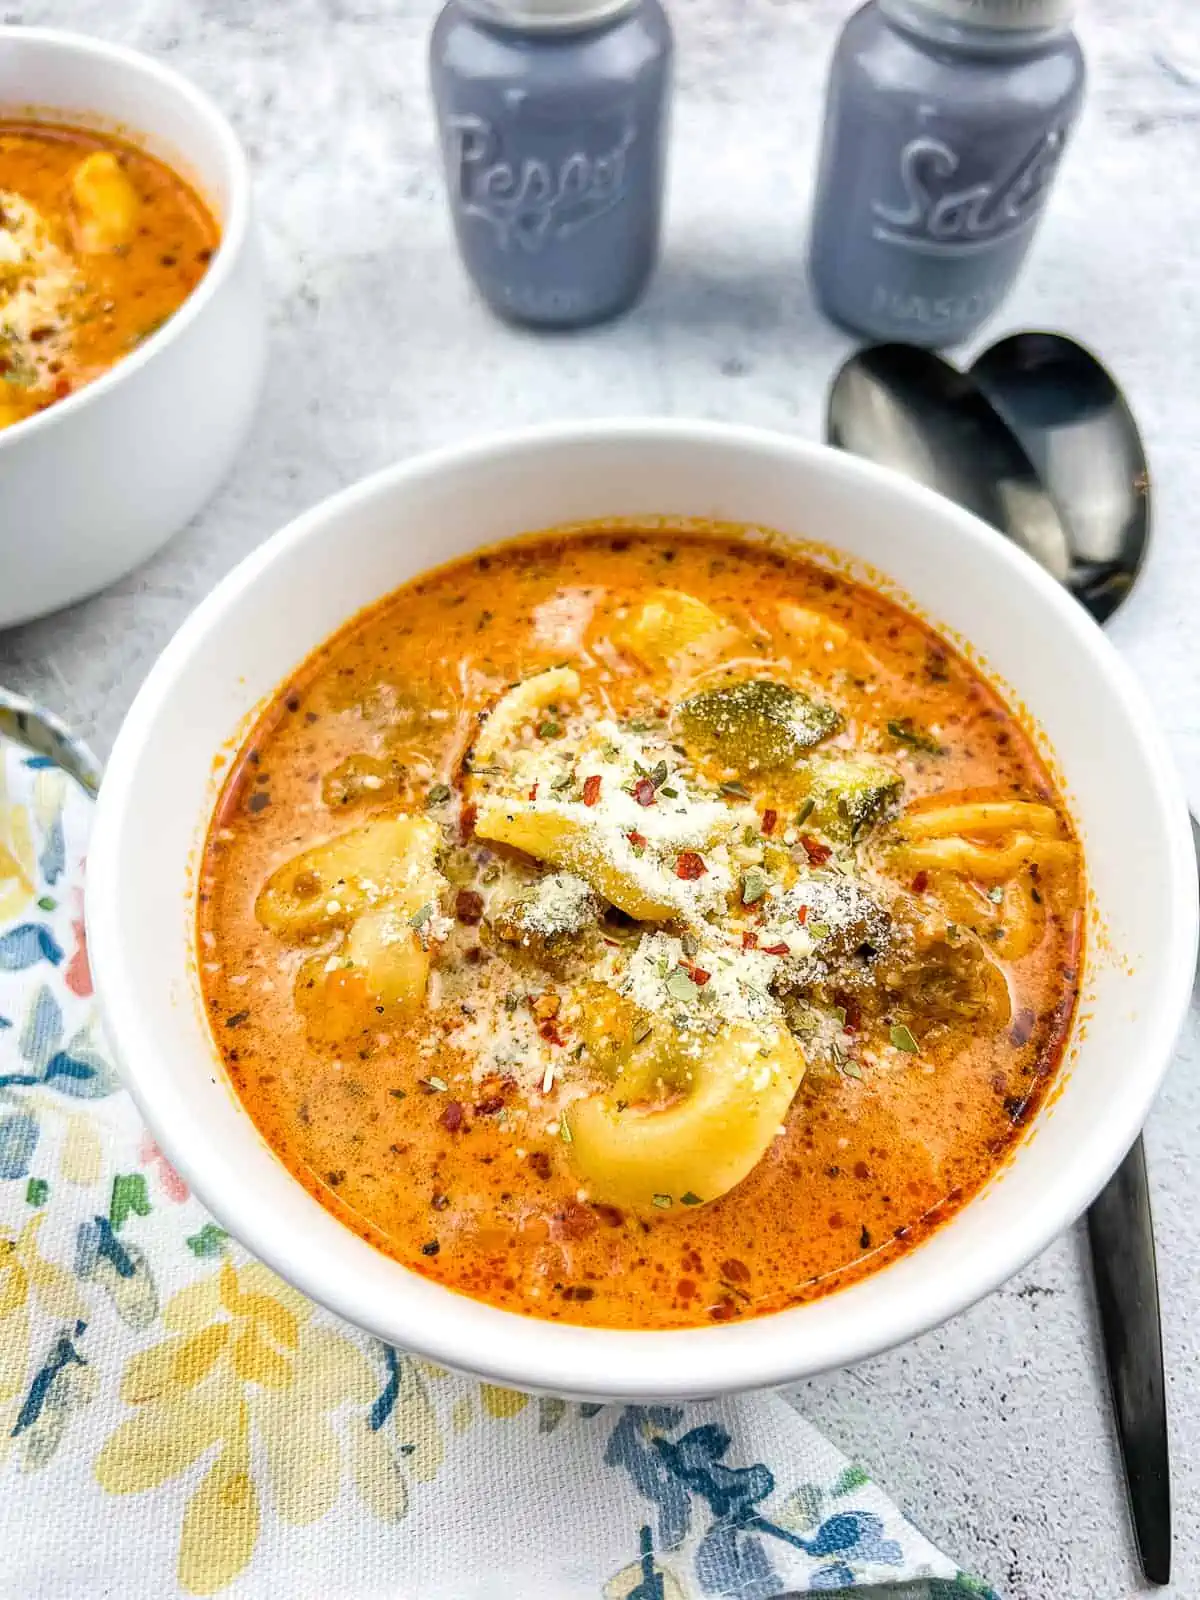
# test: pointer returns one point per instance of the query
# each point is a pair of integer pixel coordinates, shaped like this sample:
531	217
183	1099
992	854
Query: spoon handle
1121	1234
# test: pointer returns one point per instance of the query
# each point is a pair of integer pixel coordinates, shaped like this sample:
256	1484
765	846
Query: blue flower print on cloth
175	1420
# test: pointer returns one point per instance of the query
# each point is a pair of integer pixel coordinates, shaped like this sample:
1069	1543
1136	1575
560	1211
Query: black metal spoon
1038	440
1077	429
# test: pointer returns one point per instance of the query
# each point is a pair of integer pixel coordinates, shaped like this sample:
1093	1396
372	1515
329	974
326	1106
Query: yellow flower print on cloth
38	1386
248	1360
18	861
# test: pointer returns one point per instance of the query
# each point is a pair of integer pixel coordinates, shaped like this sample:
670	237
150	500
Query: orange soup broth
866	1167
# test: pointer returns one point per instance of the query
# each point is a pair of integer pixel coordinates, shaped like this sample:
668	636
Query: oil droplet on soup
640	930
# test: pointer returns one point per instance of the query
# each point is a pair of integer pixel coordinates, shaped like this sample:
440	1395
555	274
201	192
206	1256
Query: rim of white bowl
603	1363
234	226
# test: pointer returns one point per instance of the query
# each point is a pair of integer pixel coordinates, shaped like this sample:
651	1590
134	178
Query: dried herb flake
755	884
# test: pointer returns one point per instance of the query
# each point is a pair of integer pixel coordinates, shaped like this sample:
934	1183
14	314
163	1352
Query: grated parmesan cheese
556	905
656	978
634	809
37	282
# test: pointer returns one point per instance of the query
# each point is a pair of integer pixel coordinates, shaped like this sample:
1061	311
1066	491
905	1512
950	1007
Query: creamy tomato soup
99	244
640	929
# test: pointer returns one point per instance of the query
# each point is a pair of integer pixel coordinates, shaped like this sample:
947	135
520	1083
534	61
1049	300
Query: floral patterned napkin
176	1420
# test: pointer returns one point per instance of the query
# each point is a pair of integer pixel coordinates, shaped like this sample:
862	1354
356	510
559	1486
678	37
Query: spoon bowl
1077	429
907	409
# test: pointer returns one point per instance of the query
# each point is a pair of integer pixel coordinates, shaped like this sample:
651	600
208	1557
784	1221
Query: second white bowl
93	485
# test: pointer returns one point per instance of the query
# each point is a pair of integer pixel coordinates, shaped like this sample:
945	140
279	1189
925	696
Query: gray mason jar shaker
552	116
945	124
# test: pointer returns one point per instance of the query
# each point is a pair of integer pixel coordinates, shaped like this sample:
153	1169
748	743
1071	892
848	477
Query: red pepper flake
550	1033
466	823
643	792
453	1116
636	839
776	950
489	1107
494	1090
920	883
468	907
749	940
539	1160
770	818
802	915
591	789
690	865
817	853
533	792
698	976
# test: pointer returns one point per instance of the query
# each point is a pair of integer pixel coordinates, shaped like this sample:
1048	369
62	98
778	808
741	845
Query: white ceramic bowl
96	483
287	597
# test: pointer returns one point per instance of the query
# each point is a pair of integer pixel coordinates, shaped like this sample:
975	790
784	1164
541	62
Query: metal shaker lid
547	15
1006	15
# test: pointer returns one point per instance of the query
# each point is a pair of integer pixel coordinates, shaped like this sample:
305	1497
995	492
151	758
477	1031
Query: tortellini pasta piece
821	645
334	1004
381	883
519	706
390	859
983	819
577	846
1003	845
387	950
106	203
987	840
381	970
669	629
812	631
620	814
729	1095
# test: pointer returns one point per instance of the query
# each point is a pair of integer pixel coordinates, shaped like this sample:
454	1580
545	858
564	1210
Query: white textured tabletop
994	1431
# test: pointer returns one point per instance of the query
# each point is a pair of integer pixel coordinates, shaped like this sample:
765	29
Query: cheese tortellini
519	706
390	859
668	628
105	202
984	857
380	882
688	1116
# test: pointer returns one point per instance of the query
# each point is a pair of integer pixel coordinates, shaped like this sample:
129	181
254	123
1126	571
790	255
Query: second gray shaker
553	121
945	124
